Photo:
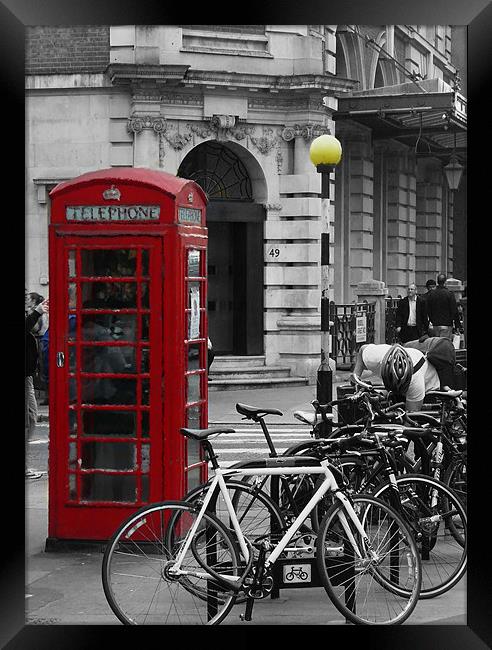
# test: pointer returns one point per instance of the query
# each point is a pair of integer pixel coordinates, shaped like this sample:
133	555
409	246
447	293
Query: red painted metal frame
169	241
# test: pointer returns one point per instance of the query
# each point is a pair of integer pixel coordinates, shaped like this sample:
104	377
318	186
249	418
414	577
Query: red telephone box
128	346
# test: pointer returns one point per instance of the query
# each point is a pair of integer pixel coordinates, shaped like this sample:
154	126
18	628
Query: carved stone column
147	125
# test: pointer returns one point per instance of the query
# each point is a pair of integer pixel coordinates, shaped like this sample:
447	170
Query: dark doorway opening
235	249
235	281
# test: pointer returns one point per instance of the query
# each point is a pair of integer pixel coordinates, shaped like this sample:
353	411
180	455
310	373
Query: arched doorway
228	175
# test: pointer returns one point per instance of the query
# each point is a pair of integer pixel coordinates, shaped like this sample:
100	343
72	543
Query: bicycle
368	458
189	567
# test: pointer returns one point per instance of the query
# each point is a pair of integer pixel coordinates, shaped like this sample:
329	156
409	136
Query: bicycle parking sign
360	327
297	573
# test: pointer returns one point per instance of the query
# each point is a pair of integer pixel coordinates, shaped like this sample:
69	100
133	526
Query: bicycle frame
329	484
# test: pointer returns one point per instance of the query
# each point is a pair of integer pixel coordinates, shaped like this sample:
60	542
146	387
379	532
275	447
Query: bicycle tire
381	591
443	542
456	477
136	579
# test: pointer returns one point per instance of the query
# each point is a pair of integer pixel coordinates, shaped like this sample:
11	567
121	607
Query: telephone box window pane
72	457
72	487
145	458
193	295
145	261
193	394
109	423
72	358
145	489
108	359
107	487
95	327
145	360
193	451
109	295
72	424
105	390
71	263
145	424
193	264
72	327
108	263
72	390
145	295
108	455
193	418
193	356
72	296
145	392
194	313
145	327
109	327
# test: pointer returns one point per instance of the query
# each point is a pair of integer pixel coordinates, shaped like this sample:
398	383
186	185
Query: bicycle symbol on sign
298	573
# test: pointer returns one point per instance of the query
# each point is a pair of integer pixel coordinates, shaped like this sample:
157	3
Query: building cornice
181	75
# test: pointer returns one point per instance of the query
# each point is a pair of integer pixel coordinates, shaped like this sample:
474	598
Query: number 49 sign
360	327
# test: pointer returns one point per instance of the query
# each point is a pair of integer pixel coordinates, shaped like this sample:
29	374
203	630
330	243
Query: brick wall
67	50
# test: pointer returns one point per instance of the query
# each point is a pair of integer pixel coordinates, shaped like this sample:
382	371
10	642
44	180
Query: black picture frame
15	15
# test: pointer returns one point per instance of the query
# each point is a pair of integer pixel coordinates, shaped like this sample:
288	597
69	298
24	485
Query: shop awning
430	117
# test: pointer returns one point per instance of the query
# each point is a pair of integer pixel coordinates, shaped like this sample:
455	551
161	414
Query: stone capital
308	131
138	123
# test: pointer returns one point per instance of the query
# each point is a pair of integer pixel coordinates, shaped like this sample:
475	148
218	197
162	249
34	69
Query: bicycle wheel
456	477
438	519
137	575
382	586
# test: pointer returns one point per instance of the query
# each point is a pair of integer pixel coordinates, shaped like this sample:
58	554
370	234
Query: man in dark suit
411	316
442	310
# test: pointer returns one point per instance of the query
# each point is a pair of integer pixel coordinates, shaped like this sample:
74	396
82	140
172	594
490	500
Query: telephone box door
106	376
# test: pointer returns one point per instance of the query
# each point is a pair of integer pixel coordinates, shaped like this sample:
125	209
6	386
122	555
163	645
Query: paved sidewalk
65	588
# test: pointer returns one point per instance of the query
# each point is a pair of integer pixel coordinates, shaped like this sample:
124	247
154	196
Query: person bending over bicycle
404	372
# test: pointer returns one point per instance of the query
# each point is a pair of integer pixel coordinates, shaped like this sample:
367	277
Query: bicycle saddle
254	412
445	394
202	434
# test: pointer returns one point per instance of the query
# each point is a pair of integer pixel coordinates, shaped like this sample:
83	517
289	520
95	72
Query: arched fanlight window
218	171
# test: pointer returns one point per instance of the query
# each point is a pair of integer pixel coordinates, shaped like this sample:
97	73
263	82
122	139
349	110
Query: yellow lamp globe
325	150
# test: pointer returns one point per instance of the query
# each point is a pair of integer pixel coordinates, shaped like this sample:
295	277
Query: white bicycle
178	563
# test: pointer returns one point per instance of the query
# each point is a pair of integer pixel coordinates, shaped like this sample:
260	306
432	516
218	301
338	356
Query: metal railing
353	325
390	320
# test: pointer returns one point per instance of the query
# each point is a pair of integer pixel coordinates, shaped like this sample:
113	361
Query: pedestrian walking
442	310
411	316
32	316
430	285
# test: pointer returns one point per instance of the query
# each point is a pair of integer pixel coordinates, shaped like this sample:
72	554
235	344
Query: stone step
249	372
229	361
255	383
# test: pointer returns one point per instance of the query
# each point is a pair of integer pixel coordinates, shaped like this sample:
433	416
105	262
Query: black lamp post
325	154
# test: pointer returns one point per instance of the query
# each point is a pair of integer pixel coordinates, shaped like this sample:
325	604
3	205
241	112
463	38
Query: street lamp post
325	154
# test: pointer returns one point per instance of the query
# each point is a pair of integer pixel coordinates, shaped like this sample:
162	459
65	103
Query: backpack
440	352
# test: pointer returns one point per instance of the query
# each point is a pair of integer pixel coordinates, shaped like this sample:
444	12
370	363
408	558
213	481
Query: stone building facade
236	108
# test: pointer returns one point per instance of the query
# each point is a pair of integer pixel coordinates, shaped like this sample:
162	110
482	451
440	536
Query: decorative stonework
182	99
280	159
266	142
137	123
176	139
278	104
307	131
272	207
